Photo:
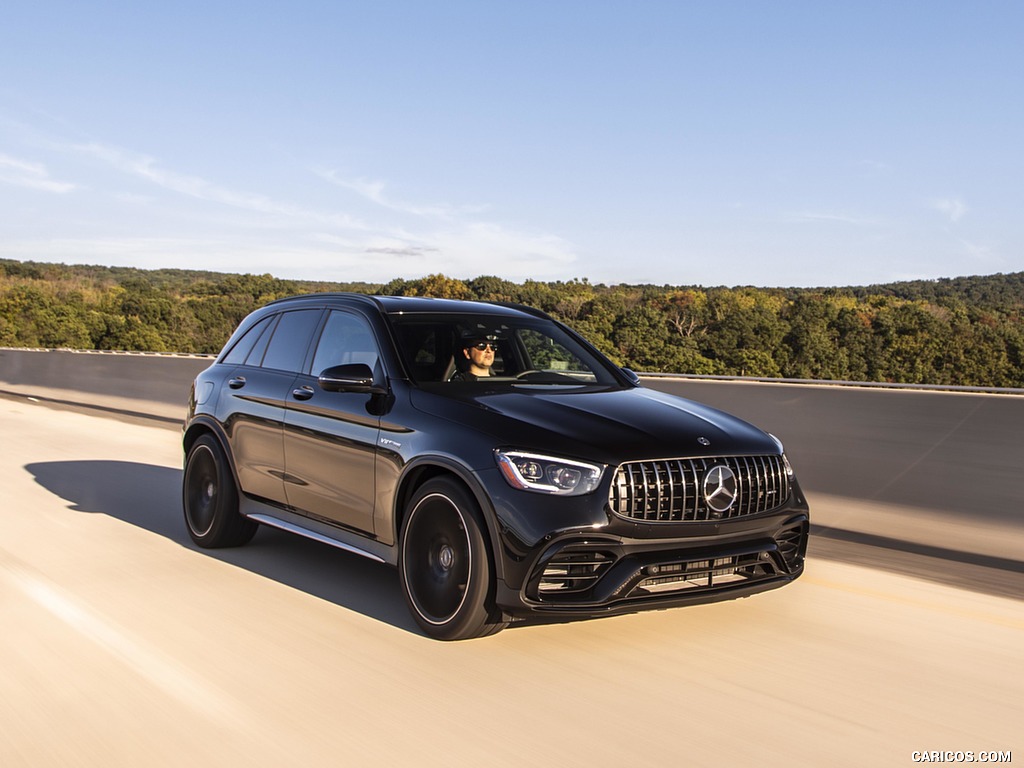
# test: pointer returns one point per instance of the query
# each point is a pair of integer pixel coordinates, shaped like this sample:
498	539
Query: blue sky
686	143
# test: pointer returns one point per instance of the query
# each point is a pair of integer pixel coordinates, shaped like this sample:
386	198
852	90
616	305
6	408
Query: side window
287	348
426	348
245	344
346	339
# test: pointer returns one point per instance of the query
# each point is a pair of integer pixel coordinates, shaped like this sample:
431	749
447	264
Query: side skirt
317	531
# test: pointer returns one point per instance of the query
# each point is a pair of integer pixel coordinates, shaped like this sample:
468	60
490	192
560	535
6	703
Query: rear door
254	396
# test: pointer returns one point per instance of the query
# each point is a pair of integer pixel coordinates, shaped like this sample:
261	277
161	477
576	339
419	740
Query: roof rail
523	308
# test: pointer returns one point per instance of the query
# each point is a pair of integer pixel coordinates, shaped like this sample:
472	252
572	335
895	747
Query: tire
444	563
210	498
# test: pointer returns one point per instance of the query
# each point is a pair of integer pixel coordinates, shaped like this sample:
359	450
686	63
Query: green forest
965	331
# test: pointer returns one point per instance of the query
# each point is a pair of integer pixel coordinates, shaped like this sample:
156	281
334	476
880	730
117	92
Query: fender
407	482
201	424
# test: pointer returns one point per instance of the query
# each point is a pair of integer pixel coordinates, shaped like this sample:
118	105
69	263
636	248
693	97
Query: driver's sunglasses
482	345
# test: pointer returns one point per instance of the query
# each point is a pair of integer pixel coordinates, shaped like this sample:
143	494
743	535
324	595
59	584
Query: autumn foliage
963	331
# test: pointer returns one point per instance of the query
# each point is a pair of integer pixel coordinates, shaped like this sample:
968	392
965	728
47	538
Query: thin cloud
459	252
243	231
875	166
487	248
838	218
284	258
456	240
409	250
374	192
22	173
954	208
981	252
147	168
467	249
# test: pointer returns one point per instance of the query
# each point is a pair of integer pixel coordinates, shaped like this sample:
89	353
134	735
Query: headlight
547	474
785	461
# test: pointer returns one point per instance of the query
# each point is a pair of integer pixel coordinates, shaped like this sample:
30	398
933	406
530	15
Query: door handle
237	383
303	393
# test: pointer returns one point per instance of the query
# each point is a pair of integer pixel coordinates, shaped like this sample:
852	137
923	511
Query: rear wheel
445	568
210	498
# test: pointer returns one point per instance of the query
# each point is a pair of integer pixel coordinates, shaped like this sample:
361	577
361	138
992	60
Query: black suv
504	465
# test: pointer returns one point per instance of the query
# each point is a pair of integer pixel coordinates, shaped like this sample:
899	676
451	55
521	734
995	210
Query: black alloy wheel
210	498
444	563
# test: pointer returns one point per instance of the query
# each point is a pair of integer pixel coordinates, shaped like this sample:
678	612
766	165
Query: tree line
962	331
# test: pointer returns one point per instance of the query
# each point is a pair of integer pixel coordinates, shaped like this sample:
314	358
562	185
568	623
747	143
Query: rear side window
255	357
287	348
241	350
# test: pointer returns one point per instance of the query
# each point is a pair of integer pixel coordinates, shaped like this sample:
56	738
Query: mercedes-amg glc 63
505	466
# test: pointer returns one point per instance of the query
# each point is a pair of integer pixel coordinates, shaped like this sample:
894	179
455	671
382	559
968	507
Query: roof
415	304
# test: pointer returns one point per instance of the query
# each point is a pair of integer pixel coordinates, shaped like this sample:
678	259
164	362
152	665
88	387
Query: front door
330	438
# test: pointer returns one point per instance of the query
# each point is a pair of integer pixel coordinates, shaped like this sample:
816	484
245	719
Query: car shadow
149	497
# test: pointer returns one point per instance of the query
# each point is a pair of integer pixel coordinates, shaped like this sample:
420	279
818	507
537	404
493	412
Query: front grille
672	490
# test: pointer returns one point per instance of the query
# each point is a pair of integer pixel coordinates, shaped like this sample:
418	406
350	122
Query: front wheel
444	565
210	498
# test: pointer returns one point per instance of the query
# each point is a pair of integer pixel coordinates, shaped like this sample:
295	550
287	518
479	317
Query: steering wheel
527	374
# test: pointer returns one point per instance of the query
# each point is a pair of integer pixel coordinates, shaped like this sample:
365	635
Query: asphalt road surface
124	645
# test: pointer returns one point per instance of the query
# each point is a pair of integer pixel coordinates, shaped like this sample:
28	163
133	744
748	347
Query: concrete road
123	645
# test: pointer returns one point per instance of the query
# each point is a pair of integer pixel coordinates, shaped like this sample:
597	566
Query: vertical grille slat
761	468
642	493
682	484
634	507
756	470
658	491
672	490
695	474
671	500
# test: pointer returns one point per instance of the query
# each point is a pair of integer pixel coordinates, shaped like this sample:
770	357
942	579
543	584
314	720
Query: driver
480	353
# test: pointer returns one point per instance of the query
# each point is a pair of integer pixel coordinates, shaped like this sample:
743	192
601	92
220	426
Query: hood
605	425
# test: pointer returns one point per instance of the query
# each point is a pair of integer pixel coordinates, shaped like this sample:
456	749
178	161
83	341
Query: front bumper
588	573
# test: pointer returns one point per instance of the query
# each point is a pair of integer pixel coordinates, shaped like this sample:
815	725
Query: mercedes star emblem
720	489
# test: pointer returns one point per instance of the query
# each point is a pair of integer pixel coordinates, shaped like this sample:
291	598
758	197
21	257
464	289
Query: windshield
458	348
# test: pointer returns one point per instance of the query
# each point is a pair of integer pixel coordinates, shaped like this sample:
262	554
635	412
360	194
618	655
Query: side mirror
355	377
631	375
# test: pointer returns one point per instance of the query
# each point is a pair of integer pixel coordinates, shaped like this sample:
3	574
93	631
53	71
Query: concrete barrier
941	470
142	384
